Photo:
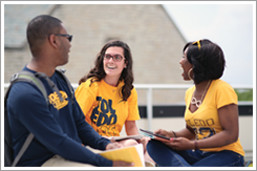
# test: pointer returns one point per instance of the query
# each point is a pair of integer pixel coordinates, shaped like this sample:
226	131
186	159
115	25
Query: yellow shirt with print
205	120
103	107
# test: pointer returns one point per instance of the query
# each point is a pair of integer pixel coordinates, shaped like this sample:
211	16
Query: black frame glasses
69	37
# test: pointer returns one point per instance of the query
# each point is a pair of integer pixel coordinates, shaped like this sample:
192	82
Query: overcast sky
231	25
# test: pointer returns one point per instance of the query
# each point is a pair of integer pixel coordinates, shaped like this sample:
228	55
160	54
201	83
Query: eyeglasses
69	37
198	44
115	58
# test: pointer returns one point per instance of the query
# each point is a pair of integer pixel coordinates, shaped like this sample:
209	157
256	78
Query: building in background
154	39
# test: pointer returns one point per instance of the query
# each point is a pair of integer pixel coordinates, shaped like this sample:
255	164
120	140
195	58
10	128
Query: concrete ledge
159	111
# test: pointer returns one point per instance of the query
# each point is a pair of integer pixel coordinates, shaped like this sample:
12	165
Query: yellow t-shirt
205	120
103	107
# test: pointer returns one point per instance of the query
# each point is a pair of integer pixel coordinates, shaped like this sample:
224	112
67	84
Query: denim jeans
165	156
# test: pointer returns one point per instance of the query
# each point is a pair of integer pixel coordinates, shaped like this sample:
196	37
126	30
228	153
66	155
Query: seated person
210	137
106	94
59	127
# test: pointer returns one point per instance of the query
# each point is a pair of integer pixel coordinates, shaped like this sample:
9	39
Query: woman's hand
164	133
144	141
179	143
113	145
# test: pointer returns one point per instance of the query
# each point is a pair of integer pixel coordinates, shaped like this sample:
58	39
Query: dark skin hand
179	143
228	117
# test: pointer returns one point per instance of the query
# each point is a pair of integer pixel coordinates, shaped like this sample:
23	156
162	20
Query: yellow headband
198	44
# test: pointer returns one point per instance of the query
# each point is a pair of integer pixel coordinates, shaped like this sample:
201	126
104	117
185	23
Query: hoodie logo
56	101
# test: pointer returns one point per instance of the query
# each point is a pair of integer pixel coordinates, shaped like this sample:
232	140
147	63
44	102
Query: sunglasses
115	58
69	37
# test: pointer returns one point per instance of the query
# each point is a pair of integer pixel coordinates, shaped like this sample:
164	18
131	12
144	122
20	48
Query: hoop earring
189	73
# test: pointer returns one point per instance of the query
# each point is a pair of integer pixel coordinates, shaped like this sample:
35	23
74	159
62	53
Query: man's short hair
39	29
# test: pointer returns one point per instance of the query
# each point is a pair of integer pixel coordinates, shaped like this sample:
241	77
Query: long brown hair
126	75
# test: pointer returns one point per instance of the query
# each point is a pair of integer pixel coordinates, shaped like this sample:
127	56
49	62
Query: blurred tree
244	95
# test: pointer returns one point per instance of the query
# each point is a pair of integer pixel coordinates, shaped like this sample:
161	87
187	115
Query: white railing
149	95
151	87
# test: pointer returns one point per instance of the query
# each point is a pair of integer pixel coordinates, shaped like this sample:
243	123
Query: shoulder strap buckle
14	77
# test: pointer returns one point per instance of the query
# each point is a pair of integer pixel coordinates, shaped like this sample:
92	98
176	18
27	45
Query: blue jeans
165	156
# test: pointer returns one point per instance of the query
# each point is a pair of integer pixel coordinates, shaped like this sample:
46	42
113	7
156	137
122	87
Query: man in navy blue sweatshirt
59	127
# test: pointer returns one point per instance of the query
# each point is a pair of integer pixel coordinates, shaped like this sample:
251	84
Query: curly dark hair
126	75
207	59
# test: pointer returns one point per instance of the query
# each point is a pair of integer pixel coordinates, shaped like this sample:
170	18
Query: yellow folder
134	154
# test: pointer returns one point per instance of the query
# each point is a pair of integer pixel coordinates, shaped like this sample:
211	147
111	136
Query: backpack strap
24	76
61	72
23	149
32	78
8	153
50	83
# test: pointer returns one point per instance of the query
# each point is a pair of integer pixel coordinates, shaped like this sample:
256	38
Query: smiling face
114	63
186	66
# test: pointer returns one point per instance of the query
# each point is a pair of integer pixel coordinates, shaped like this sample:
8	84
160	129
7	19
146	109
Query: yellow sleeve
133	112
226	95
85	97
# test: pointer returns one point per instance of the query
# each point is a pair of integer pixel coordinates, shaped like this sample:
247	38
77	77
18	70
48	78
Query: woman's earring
189	73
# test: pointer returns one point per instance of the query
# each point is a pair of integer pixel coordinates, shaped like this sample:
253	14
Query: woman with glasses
106	94
210	137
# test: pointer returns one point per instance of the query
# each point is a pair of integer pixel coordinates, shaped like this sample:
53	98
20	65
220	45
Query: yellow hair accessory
198	44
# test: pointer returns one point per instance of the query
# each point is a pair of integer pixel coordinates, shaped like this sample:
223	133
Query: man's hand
119	163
